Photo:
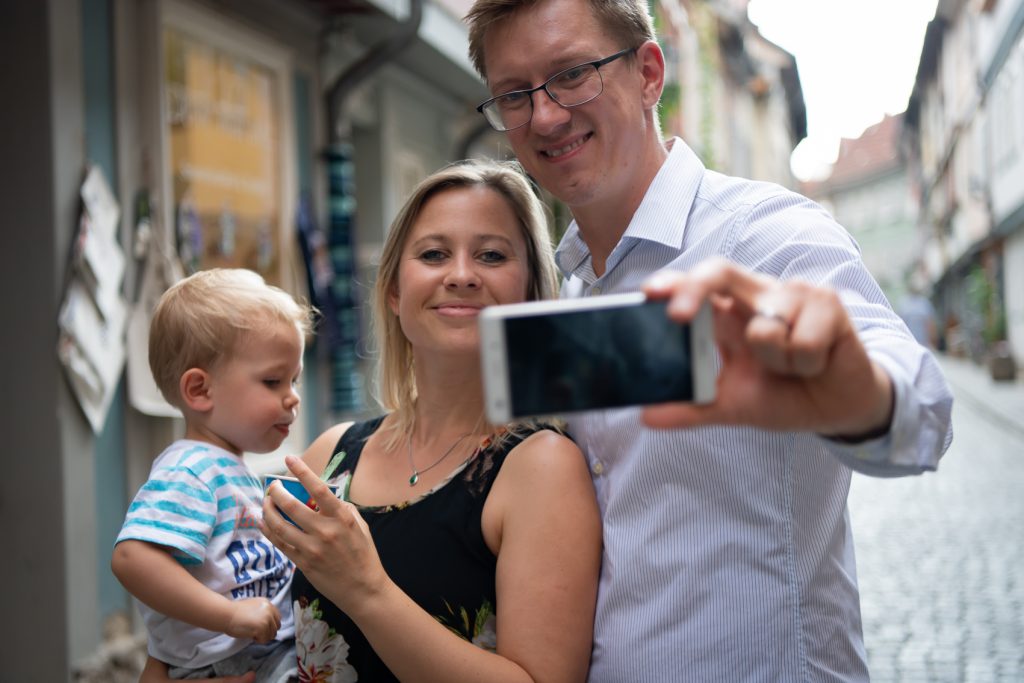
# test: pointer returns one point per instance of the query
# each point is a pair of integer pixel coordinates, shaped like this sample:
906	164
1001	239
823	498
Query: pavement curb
1001	402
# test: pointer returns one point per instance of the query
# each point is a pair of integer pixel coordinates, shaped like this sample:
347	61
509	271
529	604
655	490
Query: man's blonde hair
396	379
202	319
627	21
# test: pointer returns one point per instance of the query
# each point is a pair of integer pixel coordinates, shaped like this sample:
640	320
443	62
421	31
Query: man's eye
574	76
271	383
513	100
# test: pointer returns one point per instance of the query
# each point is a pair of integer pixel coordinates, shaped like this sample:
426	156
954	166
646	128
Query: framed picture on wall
224	118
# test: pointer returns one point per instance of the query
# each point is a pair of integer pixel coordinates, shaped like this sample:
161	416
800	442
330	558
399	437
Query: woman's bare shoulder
320	451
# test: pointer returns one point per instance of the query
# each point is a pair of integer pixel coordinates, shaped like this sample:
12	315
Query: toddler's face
255	390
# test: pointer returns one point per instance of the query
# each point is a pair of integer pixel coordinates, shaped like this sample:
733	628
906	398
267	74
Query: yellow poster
225	155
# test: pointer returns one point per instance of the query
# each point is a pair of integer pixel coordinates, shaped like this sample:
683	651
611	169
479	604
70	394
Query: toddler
226	349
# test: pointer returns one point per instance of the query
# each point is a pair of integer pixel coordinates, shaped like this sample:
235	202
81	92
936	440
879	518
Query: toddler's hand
254	618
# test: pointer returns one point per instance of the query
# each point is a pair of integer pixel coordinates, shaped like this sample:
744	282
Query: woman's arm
549	555
320	451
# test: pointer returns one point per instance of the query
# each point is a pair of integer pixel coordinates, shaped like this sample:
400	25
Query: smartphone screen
600	358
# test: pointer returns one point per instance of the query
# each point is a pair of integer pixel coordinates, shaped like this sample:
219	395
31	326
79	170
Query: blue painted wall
101	150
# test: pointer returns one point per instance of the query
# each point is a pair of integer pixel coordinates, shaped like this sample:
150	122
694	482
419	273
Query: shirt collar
657	219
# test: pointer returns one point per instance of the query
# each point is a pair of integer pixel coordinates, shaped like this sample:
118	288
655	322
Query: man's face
583	154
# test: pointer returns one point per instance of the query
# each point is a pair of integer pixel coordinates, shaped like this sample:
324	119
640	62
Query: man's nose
548	114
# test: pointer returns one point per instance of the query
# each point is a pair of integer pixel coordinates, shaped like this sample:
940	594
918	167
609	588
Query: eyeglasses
569	88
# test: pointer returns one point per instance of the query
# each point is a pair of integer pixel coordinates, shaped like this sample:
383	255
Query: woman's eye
432	255
492	256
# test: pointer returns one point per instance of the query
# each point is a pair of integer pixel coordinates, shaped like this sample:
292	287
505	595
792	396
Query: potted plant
984	299
1002	367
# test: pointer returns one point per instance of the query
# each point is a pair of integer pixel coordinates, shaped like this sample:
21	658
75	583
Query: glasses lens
570	88
509	111
576	86
493	116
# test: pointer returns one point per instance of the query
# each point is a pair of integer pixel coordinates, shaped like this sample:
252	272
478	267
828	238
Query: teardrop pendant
414	478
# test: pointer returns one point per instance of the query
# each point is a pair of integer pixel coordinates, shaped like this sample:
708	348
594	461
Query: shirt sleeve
790	237
174	508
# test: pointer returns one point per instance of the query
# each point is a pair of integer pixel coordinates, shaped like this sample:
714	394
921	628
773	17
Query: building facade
272	134
868	192
733	95
965	144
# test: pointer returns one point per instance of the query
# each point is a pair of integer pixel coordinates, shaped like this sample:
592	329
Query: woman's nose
462	273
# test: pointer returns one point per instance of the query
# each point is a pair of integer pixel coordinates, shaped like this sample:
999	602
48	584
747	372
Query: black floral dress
432	547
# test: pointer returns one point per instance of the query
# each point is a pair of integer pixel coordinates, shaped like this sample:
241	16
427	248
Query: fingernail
663	279
682	303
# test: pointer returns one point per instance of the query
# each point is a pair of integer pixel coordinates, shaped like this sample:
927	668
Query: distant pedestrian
919	315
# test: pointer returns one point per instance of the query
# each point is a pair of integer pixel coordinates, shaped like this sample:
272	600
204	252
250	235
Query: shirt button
595	291
597	468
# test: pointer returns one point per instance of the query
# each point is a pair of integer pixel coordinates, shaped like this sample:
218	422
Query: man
919	315
728	551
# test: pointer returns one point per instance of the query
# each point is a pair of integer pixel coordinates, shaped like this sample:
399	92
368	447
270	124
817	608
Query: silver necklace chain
412	466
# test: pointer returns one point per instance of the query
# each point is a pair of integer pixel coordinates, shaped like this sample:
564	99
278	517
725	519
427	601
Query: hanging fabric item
93	314
346	381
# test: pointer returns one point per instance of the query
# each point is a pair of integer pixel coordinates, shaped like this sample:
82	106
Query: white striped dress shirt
728	553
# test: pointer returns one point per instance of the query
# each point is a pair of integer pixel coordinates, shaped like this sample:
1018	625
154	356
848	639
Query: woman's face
465	251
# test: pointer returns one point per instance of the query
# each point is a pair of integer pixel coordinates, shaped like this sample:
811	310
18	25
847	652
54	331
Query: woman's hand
332	546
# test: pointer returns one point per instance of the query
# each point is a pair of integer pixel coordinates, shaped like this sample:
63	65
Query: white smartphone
572	355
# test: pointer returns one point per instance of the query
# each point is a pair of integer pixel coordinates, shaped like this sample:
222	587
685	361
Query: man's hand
254	618
791	358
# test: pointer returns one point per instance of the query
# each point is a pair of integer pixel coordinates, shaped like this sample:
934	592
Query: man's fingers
815	333
716	276
770	327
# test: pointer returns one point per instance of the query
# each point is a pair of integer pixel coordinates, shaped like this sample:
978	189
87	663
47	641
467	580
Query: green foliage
671	98
982	297
706	26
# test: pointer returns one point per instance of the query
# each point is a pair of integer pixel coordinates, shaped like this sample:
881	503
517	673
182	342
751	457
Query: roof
874	152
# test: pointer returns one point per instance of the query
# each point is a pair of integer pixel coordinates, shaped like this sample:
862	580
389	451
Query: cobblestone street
941	559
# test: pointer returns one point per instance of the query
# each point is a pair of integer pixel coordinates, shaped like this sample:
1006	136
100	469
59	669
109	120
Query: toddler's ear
195	390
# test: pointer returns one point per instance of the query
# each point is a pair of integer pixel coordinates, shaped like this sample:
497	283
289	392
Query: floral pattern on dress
322	653
482	632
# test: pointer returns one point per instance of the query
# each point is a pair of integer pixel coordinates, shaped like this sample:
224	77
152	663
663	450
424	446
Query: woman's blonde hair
396	378
202	319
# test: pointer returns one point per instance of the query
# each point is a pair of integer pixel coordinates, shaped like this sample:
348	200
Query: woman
465	550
